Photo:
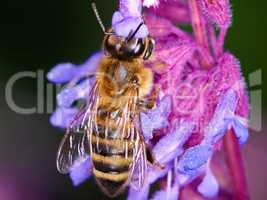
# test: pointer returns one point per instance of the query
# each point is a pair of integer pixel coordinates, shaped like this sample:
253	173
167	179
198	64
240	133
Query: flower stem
212	39
199	29
235	165
220	41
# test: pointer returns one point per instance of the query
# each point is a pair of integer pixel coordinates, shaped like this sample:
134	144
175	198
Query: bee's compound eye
135	47
112	44
149	50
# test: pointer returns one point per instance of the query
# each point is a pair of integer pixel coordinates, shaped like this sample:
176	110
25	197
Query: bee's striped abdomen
112	158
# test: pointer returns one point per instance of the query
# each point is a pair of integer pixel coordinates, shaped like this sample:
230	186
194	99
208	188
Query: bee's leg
149	102
151	159
146	104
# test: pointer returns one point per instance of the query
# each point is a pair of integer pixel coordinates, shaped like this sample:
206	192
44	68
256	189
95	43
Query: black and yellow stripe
112	157
111	177
115	143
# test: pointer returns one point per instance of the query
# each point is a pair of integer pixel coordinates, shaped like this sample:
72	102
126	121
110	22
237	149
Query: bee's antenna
99	20
134	33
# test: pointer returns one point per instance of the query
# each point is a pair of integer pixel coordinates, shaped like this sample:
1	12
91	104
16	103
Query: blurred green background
39	34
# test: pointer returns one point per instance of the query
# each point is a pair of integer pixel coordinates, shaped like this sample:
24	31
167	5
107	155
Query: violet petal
227	104
89	67
62	117
149	3
147	126
171	145
153	174
194	158
162	194
163	109
62	73
159	116
66	72
222	117
209	186
170	193
81	171
127	20
141	194
128	25
165	105
159	121
241	130
185	179
116	18
131	8
69	95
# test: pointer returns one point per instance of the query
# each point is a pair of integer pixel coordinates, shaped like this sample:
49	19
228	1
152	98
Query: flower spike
202	103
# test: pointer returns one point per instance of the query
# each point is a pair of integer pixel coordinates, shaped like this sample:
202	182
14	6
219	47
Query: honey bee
108	128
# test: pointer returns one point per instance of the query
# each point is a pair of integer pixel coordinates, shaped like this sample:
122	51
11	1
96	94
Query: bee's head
128	48
125	48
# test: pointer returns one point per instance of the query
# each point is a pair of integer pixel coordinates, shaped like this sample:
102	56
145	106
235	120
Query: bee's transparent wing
74	146
138	169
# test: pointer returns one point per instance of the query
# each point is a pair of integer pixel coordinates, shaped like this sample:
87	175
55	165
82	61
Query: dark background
39	34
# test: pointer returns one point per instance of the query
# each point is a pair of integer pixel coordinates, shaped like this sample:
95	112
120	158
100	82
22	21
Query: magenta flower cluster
202	91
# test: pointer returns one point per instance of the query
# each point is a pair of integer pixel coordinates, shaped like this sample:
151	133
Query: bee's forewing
139	168
74	146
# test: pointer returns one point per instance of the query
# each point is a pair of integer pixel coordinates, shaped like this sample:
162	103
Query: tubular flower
202	94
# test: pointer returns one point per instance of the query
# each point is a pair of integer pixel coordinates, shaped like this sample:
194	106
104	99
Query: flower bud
217	12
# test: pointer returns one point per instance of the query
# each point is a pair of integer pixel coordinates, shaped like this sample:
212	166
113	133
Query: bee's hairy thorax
115	78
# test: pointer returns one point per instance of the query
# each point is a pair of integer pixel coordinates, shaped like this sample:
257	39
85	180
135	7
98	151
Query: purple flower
202	92
157	118
209	186
128	18
175	11
149	3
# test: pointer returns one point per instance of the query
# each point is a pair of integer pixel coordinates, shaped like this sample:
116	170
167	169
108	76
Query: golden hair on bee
116	75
